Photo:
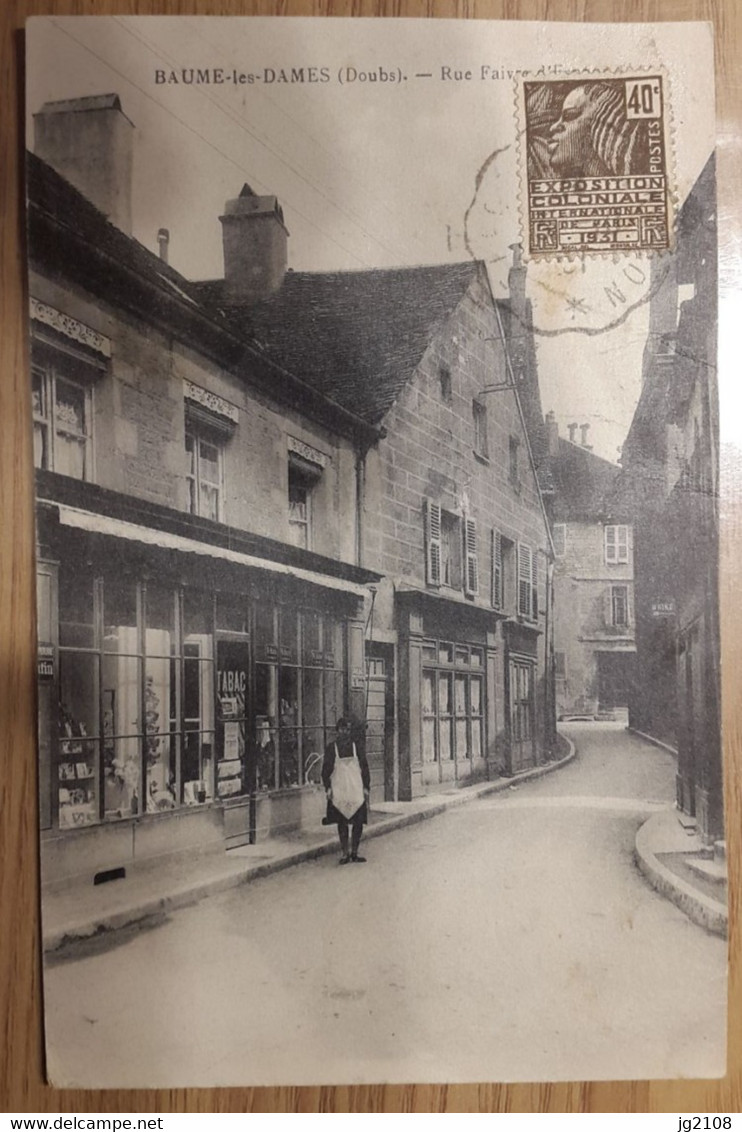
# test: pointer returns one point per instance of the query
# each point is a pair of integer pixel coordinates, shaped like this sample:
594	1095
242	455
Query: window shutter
622	544
433	542
471	582
525	579
610	544
609	612
534	585
497	595
630	606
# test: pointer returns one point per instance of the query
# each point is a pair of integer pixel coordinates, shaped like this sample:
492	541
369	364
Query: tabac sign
663	607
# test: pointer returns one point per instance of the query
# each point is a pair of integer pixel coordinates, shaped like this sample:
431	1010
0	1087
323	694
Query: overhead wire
206	141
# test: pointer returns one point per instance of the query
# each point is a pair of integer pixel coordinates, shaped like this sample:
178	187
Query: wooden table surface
22	1084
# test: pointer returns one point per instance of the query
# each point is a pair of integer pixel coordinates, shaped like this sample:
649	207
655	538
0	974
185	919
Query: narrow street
508	939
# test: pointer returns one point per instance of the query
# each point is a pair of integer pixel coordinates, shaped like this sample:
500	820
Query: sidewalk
670	856
83	912
676	862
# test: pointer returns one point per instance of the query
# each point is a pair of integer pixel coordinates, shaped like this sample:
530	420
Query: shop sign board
45	662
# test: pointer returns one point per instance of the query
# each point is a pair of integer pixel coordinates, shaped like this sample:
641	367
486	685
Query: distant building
670	482
594	644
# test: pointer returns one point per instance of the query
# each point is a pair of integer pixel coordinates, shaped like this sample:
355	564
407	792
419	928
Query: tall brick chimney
89	141
255	246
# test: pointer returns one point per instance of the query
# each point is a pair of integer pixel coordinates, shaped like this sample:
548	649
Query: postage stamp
595	168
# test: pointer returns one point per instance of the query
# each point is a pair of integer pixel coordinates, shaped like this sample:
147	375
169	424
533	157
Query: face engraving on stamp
595	157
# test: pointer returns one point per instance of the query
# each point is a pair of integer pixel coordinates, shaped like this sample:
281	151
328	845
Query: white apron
347	784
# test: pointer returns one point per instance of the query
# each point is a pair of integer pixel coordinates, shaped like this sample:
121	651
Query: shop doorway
380	720
522	714
235	771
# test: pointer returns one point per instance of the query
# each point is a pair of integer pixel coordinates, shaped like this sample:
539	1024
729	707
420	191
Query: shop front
448	679
184	688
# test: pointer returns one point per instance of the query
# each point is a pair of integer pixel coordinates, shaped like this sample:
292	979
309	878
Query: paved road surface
508	939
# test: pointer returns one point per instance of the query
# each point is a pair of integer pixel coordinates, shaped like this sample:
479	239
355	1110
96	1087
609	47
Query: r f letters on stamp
596	168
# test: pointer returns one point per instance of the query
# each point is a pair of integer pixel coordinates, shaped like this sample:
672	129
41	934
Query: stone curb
655	742
153	908
701	909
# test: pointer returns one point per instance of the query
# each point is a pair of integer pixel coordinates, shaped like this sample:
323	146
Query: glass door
232	695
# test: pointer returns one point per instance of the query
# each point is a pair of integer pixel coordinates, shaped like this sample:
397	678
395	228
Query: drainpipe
360	494
549	674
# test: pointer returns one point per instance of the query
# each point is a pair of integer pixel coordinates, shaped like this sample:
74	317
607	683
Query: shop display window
289	635
266	716
139	731
266	642
462	717
160	620
76	618
333	681
232	613
78	744
452	702
312	639
122	730
430	745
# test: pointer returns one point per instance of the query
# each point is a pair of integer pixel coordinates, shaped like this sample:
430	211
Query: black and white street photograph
376	446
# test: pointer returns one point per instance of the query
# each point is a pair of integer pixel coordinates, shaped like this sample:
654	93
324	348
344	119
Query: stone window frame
52	363
620	588
200	434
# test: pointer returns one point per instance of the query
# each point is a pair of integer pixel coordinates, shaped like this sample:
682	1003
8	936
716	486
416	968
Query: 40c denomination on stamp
594	165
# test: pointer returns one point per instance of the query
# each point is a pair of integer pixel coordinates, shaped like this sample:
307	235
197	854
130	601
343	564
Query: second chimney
255	243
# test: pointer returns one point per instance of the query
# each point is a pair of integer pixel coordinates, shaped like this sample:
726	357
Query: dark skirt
334	817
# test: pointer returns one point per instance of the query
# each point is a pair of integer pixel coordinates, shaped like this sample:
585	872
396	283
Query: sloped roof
73	240
52	195
583	483
357	336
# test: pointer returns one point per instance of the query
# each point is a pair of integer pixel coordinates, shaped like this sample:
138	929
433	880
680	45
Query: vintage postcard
375	423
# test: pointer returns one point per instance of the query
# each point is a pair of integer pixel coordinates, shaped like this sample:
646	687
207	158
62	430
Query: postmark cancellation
595	169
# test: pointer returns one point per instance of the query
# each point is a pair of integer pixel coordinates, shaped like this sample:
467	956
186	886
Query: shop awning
149	536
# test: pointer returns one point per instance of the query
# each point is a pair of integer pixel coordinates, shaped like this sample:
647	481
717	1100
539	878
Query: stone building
670	481
201	627
459	636
593	579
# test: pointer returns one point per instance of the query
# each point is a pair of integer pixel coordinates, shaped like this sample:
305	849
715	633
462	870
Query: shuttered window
471	571
497	573
616	544
527	582
433	543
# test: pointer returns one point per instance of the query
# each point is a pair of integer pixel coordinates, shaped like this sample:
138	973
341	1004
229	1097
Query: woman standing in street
346	779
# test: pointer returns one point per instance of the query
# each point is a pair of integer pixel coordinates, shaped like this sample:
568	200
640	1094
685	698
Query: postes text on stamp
595	165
